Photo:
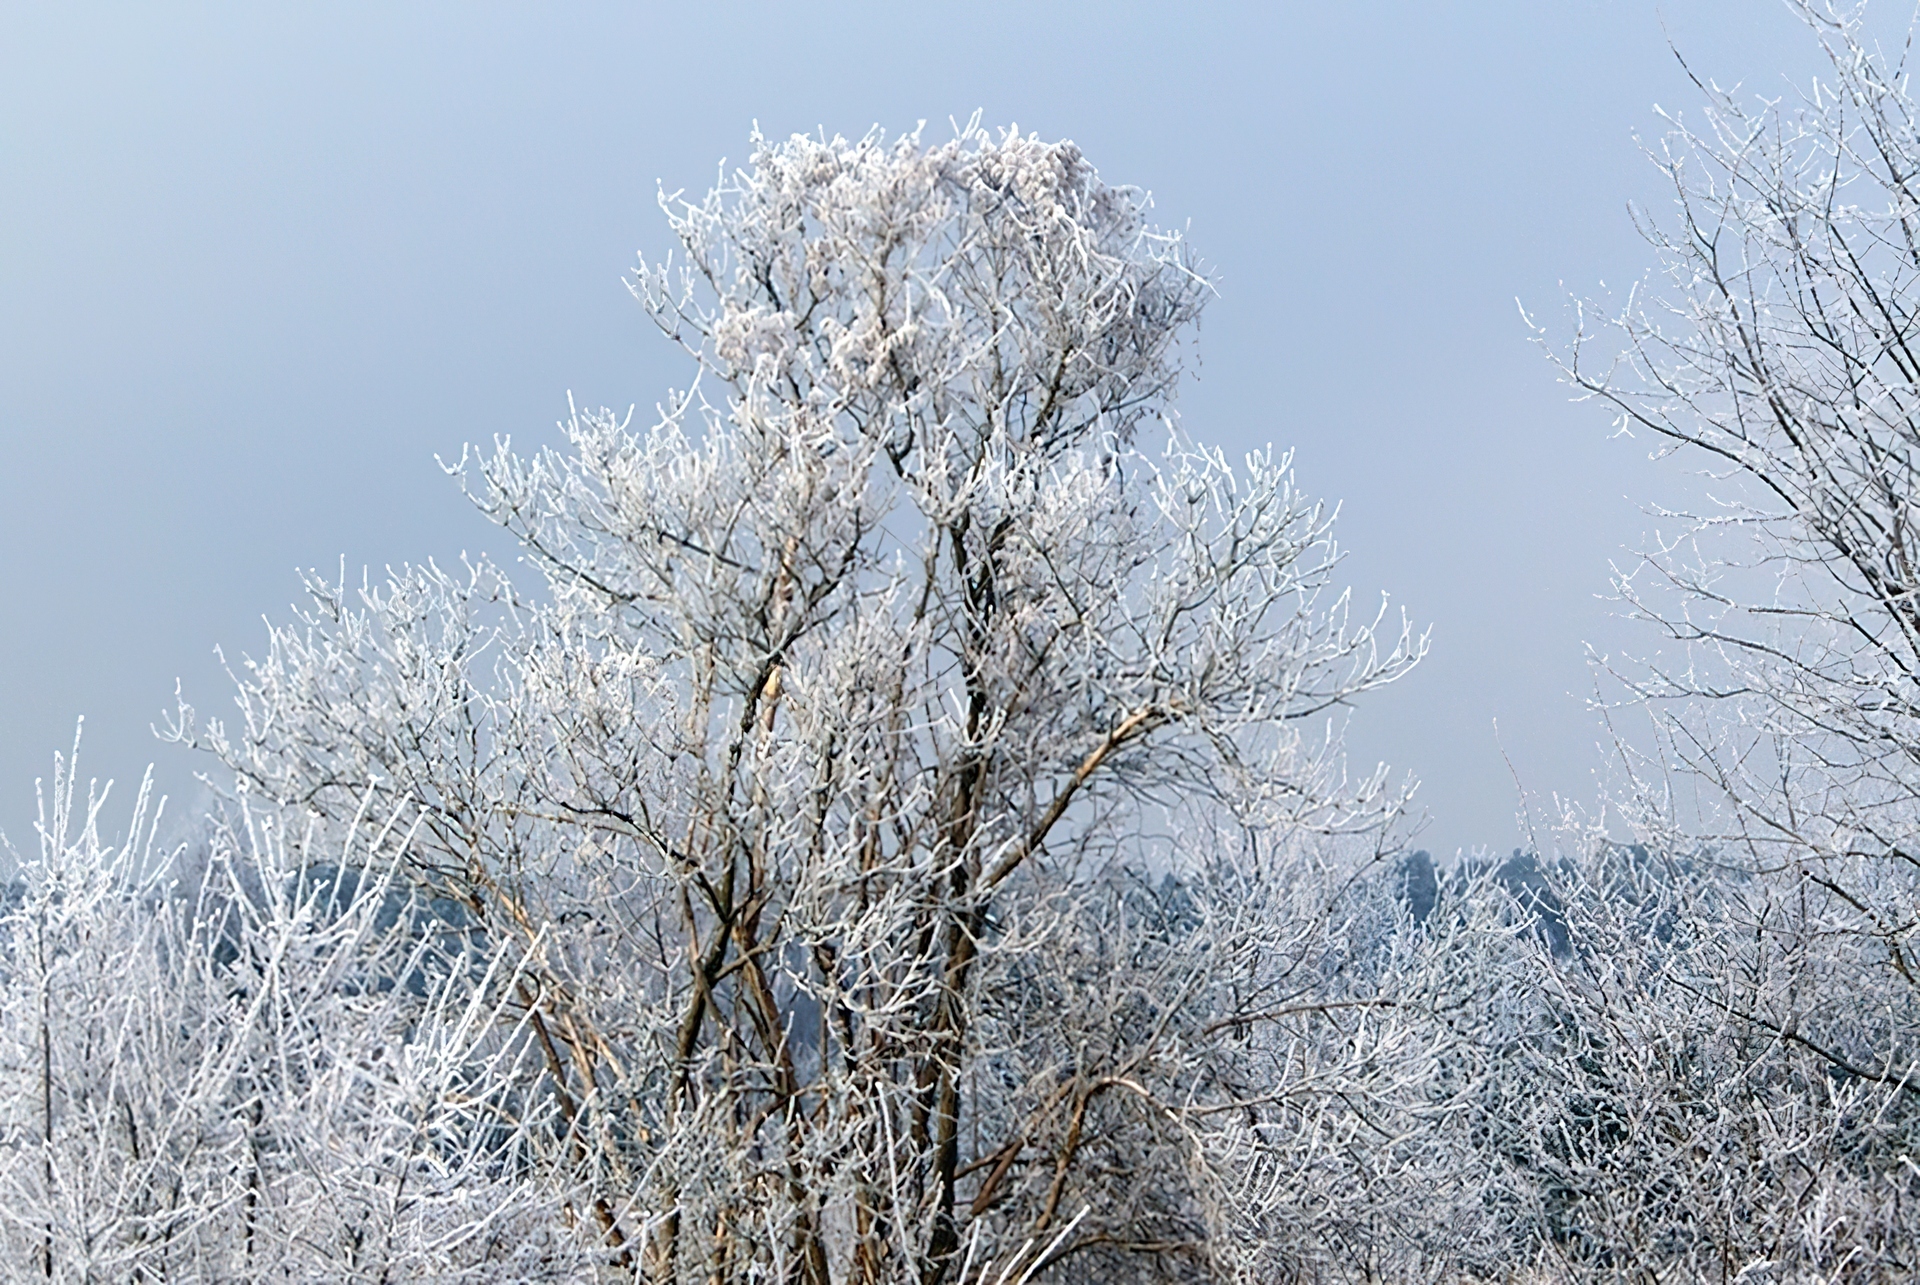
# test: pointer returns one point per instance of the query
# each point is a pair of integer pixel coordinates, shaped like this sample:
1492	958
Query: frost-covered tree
1779	355
243	1066
899	781
902	834
1772	1038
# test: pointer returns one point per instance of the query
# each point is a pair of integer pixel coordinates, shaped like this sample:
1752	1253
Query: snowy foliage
898	830
822	782
222	1068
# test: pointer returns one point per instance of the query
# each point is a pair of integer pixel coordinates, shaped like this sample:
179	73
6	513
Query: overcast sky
259	264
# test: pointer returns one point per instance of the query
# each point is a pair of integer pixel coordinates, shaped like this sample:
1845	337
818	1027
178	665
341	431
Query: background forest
893	823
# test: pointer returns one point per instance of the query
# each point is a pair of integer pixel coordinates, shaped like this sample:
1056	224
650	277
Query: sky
260	265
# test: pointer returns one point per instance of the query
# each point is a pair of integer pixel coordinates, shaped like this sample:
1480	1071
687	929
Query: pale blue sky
258	264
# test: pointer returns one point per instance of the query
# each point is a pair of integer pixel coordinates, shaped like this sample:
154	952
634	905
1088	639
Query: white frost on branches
899	832
855	703
244	1066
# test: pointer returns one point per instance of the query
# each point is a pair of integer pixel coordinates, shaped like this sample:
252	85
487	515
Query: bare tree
869	780
1782	359
1774	1038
